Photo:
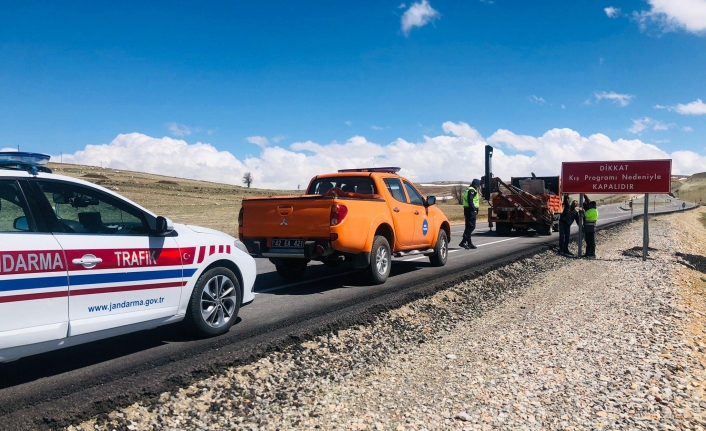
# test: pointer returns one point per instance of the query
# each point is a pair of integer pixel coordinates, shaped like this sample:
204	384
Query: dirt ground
691	278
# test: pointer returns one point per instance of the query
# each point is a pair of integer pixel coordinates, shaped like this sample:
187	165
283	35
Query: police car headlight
241	246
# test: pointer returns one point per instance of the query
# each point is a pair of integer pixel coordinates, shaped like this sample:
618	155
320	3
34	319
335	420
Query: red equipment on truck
524	204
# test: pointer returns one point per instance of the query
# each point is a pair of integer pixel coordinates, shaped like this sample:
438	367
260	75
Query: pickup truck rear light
334	237
338	214
240	216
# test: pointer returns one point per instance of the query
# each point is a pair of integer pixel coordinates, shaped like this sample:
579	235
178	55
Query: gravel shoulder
544	343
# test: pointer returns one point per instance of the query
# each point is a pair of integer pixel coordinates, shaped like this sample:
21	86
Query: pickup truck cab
363	216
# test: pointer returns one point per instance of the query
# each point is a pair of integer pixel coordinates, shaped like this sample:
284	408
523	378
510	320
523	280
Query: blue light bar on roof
22	158
389	169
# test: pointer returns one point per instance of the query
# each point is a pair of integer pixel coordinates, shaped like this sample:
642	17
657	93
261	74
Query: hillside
692	189
202	203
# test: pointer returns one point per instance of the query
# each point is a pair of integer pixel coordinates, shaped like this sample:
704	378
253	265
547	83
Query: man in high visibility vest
589	228
471	205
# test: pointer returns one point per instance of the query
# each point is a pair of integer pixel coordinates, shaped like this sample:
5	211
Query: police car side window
14	215
414	197
394	186
81	210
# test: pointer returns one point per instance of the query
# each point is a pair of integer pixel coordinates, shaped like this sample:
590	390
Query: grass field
216	205
201	203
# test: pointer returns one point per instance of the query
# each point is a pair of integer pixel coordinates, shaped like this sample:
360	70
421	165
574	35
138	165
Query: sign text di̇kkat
627	176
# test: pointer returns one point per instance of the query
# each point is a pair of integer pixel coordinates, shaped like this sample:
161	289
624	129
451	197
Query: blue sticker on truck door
425	227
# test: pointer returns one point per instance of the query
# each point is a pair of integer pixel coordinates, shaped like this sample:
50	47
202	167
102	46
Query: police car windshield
363	185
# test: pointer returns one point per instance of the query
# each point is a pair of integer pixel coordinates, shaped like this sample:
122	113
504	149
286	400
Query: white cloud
8	149
659	107
260	141
562	106
670	15
401	6
641	124
621	100
687	129
461	130
177	129
432	158
348	123
537	100
374	127
694	108
418	15
278	138
612	12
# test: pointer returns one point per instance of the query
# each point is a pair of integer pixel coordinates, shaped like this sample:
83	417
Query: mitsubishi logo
284	222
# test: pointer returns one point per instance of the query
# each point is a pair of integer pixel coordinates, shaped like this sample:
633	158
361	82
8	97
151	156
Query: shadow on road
35	367
693	261
637	252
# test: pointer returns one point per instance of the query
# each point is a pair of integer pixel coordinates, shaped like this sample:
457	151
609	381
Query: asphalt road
52	389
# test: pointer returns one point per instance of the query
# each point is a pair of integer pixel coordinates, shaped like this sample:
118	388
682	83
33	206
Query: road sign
624	177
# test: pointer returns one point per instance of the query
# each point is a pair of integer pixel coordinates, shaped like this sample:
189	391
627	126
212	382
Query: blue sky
80	73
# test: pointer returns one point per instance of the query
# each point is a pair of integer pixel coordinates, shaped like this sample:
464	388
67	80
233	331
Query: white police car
80	263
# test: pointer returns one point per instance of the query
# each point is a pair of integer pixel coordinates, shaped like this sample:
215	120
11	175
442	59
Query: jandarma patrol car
79	263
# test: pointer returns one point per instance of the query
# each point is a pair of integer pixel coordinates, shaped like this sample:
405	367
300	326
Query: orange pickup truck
363	216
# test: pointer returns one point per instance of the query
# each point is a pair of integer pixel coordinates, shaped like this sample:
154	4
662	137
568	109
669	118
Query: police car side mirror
431	200
163	226
20	223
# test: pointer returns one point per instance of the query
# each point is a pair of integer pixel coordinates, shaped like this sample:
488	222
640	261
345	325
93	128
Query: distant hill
692	189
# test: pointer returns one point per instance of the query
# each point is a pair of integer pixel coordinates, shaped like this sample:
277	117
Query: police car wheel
380	260
214	303
441	251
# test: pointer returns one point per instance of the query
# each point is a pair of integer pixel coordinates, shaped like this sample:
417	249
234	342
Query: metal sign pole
645	228
580	224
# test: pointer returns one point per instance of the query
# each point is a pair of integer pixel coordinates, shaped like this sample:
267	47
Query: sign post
646	229
580	228
625	176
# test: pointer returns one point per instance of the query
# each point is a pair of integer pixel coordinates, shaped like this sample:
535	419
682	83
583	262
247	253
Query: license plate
288	243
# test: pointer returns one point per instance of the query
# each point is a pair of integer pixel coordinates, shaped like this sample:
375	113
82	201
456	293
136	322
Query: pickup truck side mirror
431	200
163	226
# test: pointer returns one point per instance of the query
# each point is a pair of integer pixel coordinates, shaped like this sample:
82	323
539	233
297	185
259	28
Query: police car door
34	297
119	273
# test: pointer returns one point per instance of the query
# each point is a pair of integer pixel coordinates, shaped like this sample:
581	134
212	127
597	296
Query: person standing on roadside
589	227
569	214
471	205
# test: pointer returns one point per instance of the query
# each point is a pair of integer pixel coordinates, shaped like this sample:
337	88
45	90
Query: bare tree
247	179
457	192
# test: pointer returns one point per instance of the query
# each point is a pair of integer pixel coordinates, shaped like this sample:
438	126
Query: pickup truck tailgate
287	217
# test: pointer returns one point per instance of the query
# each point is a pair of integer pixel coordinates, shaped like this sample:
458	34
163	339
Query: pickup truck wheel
380	260
441	251
215	302
292	269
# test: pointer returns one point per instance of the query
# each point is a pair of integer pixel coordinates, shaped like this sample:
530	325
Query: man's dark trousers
590	243
470	224
564	236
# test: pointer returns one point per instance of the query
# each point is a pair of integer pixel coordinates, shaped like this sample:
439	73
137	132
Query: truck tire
503	229
292	269
441	251
544	230
380	260
214	304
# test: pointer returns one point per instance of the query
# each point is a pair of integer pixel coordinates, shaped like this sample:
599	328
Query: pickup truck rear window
362	185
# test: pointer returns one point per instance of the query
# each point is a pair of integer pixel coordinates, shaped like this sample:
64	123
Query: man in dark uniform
471	204
569	215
